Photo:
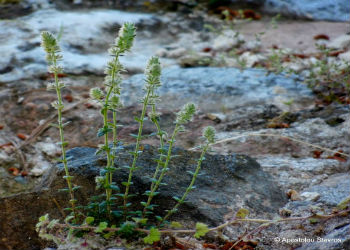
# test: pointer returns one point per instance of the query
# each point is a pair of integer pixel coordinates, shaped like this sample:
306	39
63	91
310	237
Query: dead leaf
301	56
68	98
278	125
209	245
321	36
180	245
24	173
21	136
317	154
60	75
251	14
337	158
336	53
9	144
14	171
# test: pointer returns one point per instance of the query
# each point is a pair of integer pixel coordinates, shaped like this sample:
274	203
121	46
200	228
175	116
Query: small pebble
310	196
293	195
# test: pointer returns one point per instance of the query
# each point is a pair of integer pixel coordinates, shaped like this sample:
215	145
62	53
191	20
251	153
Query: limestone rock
228	40
228	182
335	10
335	240
341	42
213	88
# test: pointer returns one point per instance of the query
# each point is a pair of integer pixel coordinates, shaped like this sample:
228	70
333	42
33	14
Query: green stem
63	149
136	151
189	188
161	142
108	152
110	158
164	169
114	141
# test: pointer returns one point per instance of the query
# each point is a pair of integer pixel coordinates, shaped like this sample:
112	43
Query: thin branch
20	154
280	136
231	222
41	128
59	207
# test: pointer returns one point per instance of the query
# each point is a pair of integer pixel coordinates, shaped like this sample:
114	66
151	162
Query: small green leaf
149	193
103	131
152	134
175	224
115	188
140	220
127	229
137	119
64	144
44	218
76	188
176	198
68	218
117	213
151	206
63	190
201	230
102	226
54	125
314	220
52	224
242	213
89	220
153	180
153	236
190	172
344	203
109	234
134	136
68	177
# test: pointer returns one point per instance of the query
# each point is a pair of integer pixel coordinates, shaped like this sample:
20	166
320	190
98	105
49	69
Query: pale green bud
51	86
115	102
125	38
96	93
153	72
48	41
153	115
50	45
113	68
186	113
100	180
209	134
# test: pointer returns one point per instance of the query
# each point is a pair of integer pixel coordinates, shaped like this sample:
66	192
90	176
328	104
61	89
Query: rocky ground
298	136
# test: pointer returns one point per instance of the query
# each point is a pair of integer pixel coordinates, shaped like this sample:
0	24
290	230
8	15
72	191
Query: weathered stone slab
226	184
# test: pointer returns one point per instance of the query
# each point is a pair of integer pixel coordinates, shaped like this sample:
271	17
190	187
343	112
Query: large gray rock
331	10
139	5
226	184
336	240
333	190
86	37
217	88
